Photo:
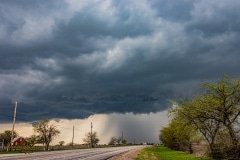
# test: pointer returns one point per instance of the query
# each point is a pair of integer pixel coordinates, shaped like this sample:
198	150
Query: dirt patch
130	155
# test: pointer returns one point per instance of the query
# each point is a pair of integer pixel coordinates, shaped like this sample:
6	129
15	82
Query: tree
227	95
112	141
46	132
91	139
177	135
195	113
6	136
215	114
124	141
119	140
32	140
61	143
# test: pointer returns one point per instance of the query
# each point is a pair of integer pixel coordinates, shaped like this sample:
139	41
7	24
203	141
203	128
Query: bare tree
46	132
32	140
91	139
113	141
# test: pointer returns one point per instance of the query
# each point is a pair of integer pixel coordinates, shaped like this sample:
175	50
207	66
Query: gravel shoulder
130	155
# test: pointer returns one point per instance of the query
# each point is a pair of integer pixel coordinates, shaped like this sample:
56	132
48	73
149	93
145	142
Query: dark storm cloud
215	18
174	10
71	59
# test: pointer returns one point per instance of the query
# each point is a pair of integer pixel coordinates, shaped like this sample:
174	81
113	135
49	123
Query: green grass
164	153
12	152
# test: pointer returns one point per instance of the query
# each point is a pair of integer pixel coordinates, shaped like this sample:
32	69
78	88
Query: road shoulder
129	155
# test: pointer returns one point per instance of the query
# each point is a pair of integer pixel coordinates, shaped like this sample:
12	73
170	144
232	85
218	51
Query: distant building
19	141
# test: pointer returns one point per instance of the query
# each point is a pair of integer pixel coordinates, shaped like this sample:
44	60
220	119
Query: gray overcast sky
74	58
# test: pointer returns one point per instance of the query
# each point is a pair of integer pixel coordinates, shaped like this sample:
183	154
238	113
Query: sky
76	59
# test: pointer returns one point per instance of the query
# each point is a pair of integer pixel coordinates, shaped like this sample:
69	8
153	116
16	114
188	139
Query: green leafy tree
46	132
177	135
215	114
195	113
91	139
226	95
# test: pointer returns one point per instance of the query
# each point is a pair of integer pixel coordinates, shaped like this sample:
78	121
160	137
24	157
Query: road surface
80	154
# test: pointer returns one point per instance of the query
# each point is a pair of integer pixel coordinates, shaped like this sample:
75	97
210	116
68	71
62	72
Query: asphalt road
80	154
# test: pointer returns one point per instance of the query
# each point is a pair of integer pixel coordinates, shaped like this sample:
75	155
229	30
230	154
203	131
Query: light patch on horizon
138	127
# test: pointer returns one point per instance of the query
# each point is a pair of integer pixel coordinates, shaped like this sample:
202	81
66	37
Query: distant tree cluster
6	136
213	115
117	141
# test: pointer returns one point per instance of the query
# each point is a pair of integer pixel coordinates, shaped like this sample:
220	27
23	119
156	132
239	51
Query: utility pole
91	138
122	137
73	137
14	119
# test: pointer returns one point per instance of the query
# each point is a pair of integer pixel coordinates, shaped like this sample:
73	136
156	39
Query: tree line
212	117
45	132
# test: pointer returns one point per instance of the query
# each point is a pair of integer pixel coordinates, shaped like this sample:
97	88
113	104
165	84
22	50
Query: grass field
164	153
